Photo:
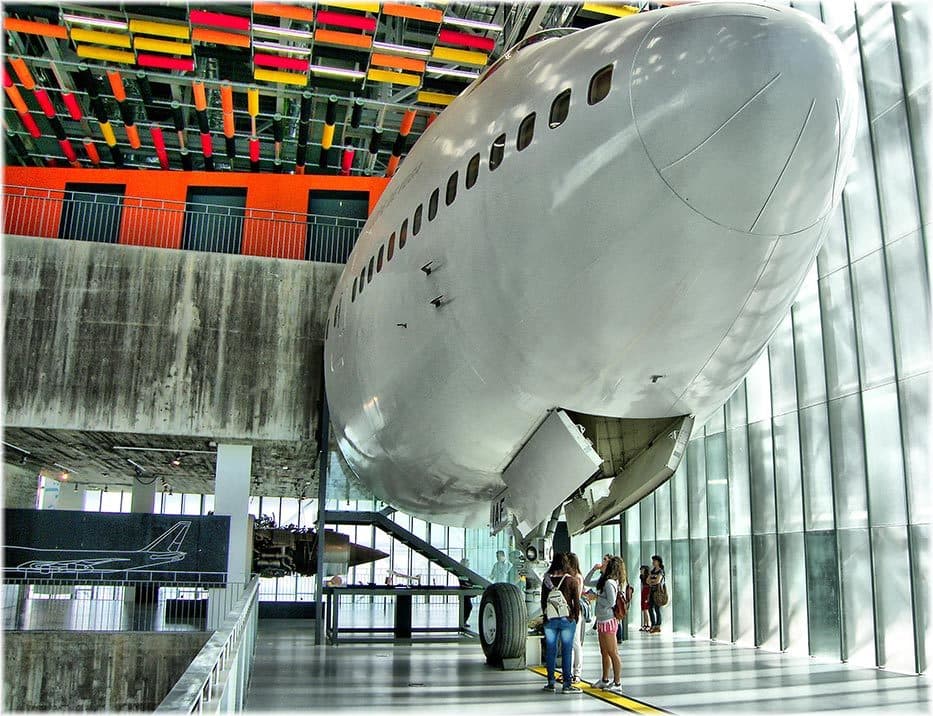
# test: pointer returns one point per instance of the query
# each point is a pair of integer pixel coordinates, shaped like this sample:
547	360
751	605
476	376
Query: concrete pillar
143	498
50	490
71	497
231	498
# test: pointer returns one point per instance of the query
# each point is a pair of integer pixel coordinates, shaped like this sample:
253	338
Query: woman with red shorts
613	578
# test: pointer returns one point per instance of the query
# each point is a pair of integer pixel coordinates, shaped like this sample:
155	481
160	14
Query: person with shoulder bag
658	593
560	606
614	577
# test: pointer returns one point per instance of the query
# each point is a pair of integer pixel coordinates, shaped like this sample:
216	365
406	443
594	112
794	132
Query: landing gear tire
503	622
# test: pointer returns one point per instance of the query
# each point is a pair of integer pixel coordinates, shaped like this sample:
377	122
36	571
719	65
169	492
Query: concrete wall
19	486
93	671
131	339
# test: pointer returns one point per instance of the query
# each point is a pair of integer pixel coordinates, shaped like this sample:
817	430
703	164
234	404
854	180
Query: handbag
660	595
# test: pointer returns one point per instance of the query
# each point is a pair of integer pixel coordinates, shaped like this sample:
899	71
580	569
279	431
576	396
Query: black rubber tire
504	636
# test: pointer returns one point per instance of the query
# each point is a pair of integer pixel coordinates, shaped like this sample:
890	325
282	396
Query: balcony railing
112	218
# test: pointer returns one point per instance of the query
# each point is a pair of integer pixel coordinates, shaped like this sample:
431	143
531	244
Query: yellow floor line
623	702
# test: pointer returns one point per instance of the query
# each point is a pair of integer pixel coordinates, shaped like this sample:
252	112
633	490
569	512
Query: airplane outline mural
164	549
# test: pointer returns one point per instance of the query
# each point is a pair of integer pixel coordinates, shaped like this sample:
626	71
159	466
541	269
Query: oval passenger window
600	85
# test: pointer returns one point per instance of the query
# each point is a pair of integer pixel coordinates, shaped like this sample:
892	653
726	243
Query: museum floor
673	673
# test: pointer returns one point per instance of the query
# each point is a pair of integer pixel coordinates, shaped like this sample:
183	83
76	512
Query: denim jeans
562	628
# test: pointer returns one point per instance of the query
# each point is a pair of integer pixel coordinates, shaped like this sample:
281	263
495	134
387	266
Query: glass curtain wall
799	519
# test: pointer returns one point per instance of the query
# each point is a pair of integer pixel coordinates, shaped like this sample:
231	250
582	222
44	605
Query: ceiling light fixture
277	47
336	72
473	24
447	72
94	21
282	32
401	49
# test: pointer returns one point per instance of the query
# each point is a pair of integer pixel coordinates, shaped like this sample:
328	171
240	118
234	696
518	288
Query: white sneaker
601	684
615	688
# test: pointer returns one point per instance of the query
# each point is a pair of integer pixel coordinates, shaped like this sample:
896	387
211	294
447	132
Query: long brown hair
615	569
573	563
559	564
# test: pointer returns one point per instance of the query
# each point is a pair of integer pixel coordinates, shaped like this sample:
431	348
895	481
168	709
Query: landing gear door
555	461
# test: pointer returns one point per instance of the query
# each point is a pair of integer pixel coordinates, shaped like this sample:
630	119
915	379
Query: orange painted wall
264	192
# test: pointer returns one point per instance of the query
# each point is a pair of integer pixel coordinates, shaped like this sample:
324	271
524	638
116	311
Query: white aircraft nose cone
745	111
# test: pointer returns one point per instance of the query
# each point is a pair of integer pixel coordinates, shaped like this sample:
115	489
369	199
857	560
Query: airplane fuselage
631	261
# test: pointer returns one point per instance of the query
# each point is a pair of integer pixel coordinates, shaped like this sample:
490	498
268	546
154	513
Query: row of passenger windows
600	84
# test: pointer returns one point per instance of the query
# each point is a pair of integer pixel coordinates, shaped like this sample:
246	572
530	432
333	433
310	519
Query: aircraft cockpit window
432	205
353	292
472	171
369	273
380	257
600	85
560	108
362	279
496	152
451	189
403	234
391	247
416	221
526	132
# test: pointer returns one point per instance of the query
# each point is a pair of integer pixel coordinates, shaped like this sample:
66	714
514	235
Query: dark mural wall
101	547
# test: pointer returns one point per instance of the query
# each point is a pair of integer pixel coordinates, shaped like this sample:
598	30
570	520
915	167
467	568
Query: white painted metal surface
663	231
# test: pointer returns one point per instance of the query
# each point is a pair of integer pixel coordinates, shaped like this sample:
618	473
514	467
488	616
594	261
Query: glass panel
699	588
918	113
646	509
848	461
894	166
838	335
662	511
915	409
910	298
171	505
858	627
716	422
822	594
884	460
787	482
793	586
764	553
679	502
816	468
736	414
720	608
895	623
717	486
781	359
696	487
761	465
758	387
739	482
743	614
872	321
879	57
808	344
920	570
678	585
834	254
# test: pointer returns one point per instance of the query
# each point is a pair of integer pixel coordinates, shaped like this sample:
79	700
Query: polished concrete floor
669	672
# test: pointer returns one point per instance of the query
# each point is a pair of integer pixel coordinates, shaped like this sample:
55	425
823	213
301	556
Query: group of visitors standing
652	584
563	601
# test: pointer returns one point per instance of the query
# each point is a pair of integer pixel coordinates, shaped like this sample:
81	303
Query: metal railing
218	678
72	606
113	218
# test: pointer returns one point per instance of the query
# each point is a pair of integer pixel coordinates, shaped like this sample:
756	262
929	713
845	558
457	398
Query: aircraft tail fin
170	540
